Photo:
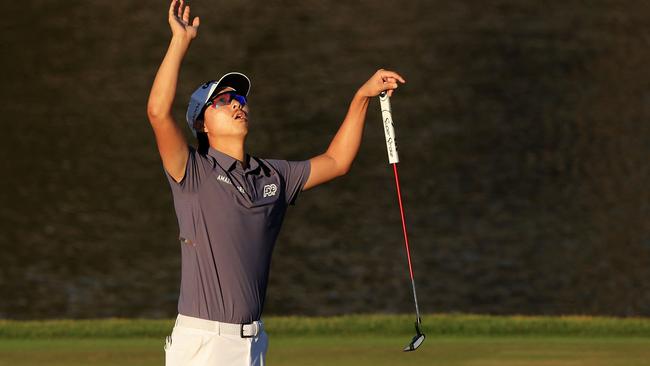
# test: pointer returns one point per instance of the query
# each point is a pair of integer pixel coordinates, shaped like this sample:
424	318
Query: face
226	119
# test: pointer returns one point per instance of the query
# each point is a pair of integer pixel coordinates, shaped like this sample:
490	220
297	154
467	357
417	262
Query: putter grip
389	130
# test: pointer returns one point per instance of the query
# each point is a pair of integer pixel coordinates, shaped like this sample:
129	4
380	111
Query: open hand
380	81
179	20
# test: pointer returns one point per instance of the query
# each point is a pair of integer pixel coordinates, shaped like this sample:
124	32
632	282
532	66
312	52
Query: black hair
204	143
202	137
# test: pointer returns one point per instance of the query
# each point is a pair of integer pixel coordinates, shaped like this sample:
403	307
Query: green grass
467	340
353	325
343	351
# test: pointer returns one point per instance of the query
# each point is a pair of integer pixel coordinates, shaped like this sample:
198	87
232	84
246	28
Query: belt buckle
241	330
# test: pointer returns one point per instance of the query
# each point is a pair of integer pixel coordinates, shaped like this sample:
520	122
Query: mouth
241	115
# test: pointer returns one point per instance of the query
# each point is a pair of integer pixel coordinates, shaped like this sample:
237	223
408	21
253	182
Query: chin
241	132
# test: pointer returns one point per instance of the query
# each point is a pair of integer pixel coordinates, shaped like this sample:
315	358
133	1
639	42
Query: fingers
186	14
173	8
389	80
390	74
389	83
382	80
176	10
180	10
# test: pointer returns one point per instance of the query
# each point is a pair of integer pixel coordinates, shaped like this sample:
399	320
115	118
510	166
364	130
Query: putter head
417	339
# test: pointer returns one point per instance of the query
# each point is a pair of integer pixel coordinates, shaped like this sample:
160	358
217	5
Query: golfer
230	205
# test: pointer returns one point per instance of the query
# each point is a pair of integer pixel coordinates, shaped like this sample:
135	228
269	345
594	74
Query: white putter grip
389	131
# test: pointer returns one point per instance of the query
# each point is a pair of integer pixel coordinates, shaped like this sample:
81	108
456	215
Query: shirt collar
251	163
229	163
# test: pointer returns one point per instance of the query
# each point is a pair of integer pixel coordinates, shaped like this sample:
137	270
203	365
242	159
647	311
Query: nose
234	104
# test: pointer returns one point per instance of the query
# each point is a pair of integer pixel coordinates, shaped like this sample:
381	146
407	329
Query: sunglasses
226	98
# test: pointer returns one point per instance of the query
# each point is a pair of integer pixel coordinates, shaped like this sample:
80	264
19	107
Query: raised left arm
340	154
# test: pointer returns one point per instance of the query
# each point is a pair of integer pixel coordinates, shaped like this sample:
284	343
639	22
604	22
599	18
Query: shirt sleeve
295	175
194	173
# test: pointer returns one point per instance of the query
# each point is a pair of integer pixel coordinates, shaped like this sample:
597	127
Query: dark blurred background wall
523	128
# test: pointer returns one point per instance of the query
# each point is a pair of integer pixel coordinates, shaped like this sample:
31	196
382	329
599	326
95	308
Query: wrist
360	95
180	40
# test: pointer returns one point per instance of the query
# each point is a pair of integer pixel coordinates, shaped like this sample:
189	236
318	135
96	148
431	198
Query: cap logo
196	110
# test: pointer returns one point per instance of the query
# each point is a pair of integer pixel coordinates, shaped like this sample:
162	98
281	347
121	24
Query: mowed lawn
372	340
348	350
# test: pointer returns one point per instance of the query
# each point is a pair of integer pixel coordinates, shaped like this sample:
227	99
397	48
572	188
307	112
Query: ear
199	126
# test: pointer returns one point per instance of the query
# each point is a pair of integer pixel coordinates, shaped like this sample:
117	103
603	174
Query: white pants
189	346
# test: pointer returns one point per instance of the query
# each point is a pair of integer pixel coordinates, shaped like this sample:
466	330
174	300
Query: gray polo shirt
229	219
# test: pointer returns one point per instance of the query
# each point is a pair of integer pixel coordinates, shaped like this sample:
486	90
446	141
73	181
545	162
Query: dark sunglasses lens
227	97
221	99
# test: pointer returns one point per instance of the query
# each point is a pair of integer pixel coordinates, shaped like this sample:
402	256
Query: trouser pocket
182	346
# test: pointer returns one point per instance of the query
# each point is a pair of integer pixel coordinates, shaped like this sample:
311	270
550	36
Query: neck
230	146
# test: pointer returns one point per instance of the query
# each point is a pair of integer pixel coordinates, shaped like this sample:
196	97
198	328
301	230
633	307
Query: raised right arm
169	137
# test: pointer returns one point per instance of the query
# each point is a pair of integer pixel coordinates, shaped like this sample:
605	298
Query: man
230	205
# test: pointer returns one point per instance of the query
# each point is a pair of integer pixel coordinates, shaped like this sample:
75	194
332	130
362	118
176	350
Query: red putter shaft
401	211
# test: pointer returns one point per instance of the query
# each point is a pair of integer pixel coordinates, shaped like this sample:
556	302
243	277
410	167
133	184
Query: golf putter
393	159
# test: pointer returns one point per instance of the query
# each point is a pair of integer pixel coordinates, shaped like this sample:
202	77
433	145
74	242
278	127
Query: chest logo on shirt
270	189
227	181
224	179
